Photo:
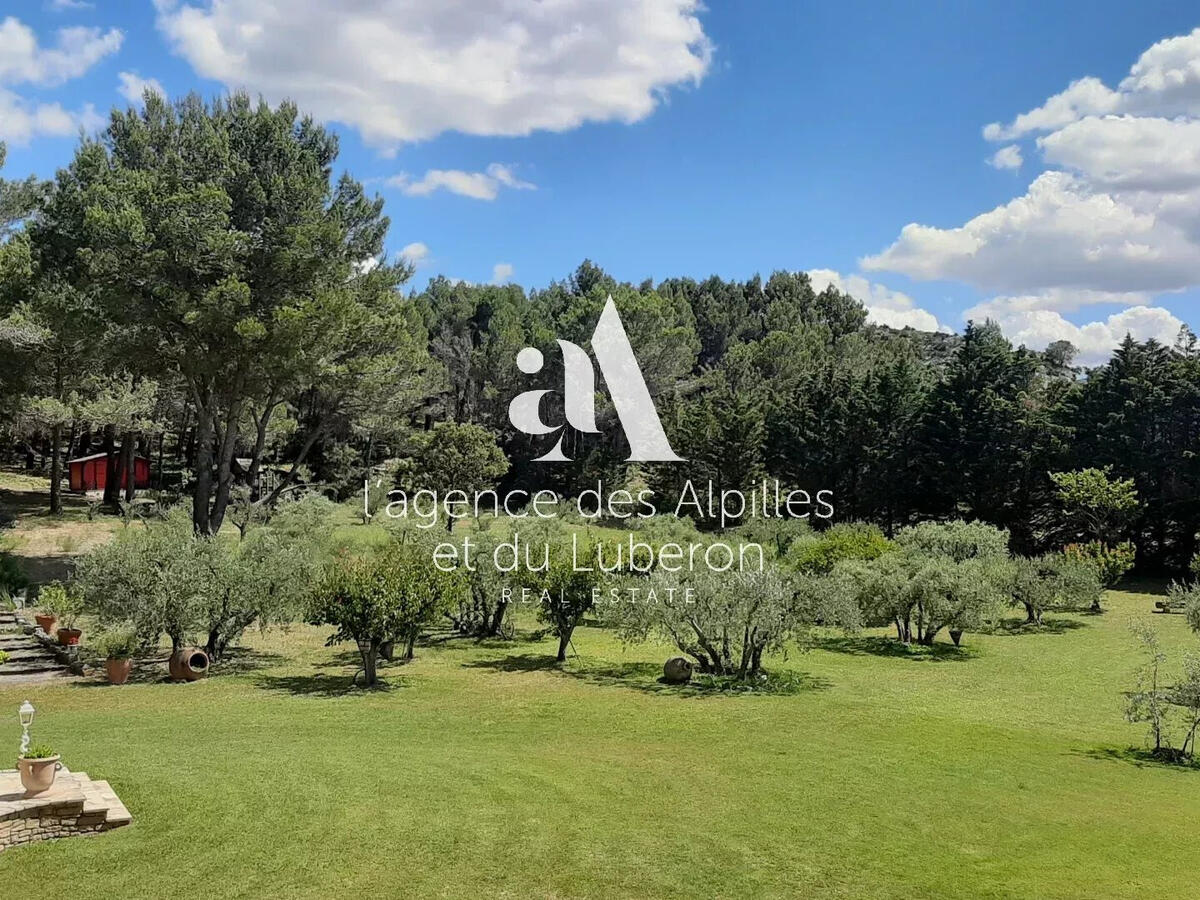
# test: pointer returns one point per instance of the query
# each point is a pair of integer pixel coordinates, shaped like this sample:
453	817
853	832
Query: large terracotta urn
118	670
188	664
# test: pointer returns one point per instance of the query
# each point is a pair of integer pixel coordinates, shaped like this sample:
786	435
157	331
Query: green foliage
3	657
165	578
1053	581
1095	505
1189	596
63	601
817	554
117	643
1161	704
457	457
12	579
563	592
957	540
39	751
1109	562
389	596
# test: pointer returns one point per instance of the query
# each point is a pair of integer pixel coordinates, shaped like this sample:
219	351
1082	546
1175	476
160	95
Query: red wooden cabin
90	473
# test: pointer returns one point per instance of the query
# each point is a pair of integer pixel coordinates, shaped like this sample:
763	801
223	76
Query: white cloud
1133	153
132	86
1116	220
502	273
1061	234
407	70
884	306
1006	158
1085	97
478	185
65	5
415	253
1027	321
22	120
24	60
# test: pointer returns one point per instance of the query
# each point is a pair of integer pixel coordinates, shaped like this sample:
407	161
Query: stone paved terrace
76	805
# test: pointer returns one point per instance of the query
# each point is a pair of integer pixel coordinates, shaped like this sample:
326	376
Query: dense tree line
198	286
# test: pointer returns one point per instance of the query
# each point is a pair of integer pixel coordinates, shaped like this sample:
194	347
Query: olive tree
389	596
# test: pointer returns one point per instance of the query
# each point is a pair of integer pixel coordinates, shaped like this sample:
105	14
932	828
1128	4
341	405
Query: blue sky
661	138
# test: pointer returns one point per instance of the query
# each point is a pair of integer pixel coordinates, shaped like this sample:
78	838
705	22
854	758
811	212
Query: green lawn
1001	771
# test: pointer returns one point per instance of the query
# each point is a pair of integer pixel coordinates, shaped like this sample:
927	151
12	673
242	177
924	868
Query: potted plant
38	766
118	647
66	603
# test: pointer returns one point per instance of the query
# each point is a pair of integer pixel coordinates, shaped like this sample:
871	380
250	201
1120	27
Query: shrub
3	657
118	643
39	751
164	578
957	540
817	554
12	579
565	593
1109	562
1159	704
1053	581
1194	567
65	602
731	619
1189	596
385	597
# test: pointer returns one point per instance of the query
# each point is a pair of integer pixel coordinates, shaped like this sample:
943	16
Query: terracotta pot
69	637
118	670
45	622
188	664
37	775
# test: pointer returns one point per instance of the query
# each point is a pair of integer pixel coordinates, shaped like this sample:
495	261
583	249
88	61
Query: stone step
76	805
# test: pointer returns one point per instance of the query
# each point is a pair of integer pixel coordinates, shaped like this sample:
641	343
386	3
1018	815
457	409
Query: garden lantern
26	713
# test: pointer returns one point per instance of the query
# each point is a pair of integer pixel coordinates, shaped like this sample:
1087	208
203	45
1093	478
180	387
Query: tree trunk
112	484
410	646
225	467
130	468
498	618
563	641
296	463
369	650
55	470
122	468
202	492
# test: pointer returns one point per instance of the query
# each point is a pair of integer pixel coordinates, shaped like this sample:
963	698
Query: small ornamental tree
1110	563
1052	581
1095	506
565	592
454	457
386	597
729	620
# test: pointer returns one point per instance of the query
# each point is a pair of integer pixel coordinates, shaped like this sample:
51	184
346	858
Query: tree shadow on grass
892	648
1139	757
1050	625
647	677
325	684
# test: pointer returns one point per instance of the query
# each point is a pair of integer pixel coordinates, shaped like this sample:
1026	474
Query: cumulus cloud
477	185
884	306
1006	158
24	60
1025	320
502	273
415	253
1114	220
133	87
407	70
